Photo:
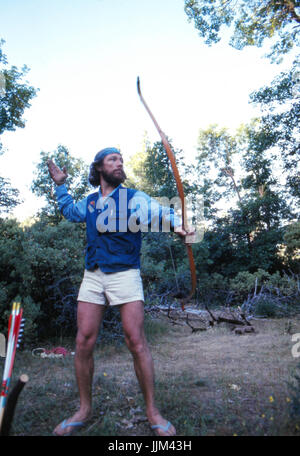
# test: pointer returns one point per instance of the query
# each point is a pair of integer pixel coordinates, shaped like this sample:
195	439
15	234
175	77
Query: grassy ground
209	383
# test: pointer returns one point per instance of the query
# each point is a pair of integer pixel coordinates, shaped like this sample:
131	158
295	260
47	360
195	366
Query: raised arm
74	212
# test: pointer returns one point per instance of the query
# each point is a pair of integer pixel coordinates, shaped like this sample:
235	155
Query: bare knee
136	344
85	343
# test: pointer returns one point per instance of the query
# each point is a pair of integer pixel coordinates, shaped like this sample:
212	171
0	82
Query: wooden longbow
179	185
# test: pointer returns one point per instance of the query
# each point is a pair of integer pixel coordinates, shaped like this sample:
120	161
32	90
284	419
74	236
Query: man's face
112	169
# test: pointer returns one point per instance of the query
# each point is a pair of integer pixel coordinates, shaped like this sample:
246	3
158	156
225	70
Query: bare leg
89	318
132	315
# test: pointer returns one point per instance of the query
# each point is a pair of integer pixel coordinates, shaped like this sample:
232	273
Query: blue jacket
114	225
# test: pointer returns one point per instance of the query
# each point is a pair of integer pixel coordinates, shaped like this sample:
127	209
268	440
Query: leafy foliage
245	234
15	95
292	241
280	122
152	173
252	22
9	196
45	274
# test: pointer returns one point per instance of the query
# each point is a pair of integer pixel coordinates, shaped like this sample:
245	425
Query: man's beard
114	179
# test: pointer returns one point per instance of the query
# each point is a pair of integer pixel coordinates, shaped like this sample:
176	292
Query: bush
265	307
245	282
284	286
213	289
292	243
43	265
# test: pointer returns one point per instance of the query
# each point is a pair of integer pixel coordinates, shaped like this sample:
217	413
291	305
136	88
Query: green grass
209	383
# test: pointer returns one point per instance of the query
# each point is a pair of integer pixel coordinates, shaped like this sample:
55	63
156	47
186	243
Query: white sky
85	56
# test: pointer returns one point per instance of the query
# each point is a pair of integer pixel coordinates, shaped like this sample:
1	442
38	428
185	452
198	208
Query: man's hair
94	176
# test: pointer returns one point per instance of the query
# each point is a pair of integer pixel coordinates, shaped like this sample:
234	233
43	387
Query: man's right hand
58	175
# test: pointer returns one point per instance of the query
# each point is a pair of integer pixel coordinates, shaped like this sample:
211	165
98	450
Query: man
114	217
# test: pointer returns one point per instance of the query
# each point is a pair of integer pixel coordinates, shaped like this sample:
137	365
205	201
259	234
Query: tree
251	22
216	148
76	183
246	209
15	95
152	172
135	169
280	103
9	196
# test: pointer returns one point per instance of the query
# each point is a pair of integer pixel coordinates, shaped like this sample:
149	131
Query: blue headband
109	150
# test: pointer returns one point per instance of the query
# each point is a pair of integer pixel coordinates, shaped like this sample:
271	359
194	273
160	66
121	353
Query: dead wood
198	322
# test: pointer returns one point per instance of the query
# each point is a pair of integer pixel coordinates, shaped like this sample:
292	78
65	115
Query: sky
84	57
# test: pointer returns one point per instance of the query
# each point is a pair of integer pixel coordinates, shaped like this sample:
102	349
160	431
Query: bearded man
112	275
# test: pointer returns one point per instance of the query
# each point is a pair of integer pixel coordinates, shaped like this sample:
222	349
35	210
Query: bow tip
138	84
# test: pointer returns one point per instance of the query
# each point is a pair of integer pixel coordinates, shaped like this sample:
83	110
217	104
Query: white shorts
116	288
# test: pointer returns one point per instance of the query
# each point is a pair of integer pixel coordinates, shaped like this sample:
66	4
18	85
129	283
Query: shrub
244	282
265	307
43	265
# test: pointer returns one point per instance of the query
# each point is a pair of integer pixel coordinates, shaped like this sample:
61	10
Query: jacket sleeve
74	212
153	214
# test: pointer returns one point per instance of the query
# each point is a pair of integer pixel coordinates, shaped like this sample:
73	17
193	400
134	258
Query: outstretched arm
152	213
